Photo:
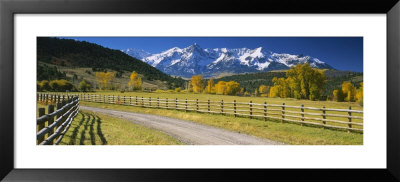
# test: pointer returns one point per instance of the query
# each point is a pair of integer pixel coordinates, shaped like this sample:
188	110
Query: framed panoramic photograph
119	91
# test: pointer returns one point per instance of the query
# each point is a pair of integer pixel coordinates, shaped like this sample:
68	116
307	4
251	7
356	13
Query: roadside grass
90	128
287	132
259	100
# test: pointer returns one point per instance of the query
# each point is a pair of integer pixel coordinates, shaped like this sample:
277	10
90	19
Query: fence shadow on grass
86	124
92	136
83	132
76	129
99	132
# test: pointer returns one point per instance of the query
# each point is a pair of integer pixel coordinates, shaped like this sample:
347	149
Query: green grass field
287	132
97	129
288	101
89	128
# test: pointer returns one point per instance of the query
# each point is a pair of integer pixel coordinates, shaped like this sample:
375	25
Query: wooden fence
325	117
347	119
55	124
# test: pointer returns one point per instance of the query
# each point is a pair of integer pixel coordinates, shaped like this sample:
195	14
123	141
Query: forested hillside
71	53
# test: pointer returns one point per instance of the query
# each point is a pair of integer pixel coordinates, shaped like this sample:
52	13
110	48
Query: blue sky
343	53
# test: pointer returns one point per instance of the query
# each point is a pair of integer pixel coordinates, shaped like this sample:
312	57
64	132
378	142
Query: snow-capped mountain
195	60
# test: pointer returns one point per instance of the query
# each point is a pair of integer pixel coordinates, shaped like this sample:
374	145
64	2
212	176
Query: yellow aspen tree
135	81
210	86
220	88
197	83
104	78
232	88
273	92
263	90
349	91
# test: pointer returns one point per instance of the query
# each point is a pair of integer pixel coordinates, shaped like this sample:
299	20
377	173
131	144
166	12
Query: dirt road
186	131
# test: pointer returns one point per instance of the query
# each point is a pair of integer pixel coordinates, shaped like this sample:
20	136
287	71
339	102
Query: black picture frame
8	8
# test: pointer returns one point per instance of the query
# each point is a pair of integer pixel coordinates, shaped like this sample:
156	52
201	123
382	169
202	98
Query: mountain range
193	60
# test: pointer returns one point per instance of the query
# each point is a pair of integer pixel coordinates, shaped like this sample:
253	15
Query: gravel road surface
186	131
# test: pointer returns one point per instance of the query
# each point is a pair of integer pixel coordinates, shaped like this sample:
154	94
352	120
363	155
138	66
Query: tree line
299	82
103	80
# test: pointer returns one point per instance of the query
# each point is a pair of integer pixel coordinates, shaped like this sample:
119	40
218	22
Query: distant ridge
195	60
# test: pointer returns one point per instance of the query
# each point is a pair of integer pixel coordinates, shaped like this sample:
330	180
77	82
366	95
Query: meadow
290	133
287	133
90	128
260	100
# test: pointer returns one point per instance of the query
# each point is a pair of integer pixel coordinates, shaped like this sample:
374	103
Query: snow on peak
194	60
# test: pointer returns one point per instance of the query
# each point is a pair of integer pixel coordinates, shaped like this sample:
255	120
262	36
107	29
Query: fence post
58	106
130	100
208	105
104	99
176	103
58	99
142	102
47	98
222	106
123	103
166	103
251	109
150	101
302	114
63	103
349	118
265	111
158	103
323	116
41	125
136	101
283	112
197	105
234	108
185	105
50	109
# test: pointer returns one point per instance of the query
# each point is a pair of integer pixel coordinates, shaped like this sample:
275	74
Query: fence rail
349	119
52	126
